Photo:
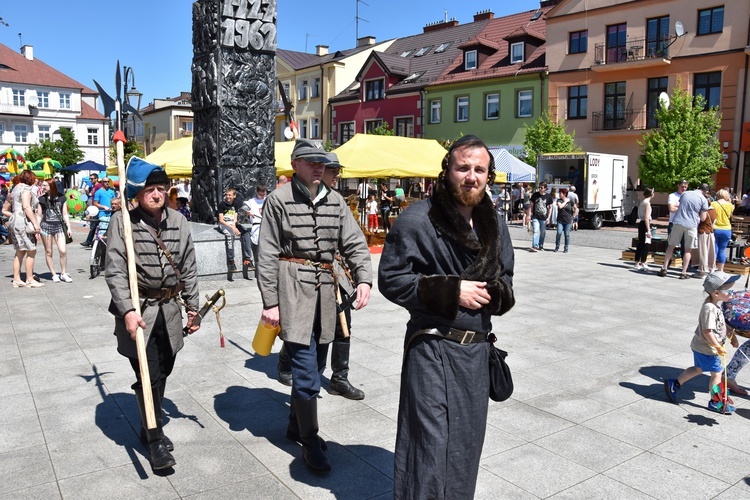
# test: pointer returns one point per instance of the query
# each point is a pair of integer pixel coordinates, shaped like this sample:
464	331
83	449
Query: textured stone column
234	77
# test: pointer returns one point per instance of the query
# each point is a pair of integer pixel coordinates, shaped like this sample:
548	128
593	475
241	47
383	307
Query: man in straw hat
305	224
162	277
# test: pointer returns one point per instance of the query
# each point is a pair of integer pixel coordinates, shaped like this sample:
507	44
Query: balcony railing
635	49
621	120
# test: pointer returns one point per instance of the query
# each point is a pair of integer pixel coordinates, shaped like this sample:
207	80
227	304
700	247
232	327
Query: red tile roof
500	30
15	68
89	113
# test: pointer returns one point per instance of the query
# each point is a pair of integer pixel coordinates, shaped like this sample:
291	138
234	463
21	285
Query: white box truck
604	190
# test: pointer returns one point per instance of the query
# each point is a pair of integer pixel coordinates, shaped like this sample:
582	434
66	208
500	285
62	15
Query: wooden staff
127	233
342	314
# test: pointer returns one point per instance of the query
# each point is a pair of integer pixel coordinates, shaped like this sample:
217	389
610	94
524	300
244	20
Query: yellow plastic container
265	336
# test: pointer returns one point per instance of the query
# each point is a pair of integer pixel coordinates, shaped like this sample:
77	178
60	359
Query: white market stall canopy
517	170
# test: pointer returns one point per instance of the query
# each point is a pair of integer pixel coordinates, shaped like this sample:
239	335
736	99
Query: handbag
30	227
68	239
501	381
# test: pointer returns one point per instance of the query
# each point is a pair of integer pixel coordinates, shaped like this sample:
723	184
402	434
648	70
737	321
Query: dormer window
423	51
374	90
470	59
516	52
442	47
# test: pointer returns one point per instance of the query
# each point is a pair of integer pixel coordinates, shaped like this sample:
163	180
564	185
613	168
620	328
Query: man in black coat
449	261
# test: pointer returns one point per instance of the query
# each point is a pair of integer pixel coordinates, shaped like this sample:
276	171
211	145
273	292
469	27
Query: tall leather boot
307	418
160	456
159	416
292	430
340	385
285	367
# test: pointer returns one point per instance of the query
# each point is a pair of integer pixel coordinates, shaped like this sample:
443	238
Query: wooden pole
127	232
342	314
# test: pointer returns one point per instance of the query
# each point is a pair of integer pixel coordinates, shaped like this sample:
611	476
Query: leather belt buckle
468	337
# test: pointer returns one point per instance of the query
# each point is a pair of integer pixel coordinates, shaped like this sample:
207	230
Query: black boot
160	457
292	430
312	451
285	367
340	385
158	414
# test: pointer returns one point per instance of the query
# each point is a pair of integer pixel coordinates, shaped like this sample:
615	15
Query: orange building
609	61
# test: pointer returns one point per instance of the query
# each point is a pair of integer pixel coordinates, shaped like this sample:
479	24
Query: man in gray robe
449	261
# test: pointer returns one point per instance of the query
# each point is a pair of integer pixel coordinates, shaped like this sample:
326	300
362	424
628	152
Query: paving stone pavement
590	342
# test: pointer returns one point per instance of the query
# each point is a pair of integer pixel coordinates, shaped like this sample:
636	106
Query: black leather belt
162	294
463	337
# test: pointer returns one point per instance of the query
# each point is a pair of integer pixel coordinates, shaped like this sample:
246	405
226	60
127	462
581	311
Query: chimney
484	15
439	25
365	40
321	50
27	51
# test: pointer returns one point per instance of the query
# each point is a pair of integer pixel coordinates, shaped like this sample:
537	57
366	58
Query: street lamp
132	96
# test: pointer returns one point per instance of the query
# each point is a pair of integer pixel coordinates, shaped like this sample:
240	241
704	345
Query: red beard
465	198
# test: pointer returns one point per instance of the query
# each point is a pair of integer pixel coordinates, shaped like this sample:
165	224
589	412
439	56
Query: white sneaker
66	278
55	278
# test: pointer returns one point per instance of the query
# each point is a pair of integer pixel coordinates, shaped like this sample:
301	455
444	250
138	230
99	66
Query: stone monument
234	100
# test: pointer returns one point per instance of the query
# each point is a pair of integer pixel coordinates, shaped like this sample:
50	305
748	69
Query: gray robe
154	271
295	226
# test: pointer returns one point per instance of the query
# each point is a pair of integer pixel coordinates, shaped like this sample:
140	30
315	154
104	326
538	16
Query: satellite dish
664	100
679	29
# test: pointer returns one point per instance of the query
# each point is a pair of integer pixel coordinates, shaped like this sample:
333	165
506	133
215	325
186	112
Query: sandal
34	284
19	284
684	277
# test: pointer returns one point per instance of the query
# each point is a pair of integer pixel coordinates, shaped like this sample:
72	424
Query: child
372	213
708	341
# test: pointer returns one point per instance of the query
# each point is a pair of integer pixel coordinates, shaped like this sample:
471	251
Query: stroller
99	248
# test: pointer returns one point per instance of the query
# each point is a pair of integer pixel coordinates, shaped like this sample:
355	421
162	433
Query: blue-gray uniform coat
296	226
154	271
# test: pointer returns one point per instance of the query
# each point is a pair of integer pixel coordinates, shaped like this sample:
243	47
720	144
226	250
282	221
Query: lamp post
132	97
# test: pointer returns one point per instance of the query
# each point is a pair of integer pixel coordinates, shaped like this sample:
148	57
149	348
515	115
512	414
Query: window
492	106
709	86
287	87
616	43
21	132
443	47
19	97
302	90
405	127
375	89
315	90
614	106
655	87
315	128
93	136
423	51
516	52
657	36
462	109
406	53
413	77
303	129
435	111
187	127
43	133
578	42
43	99
711	21
64	101
470	59
371	125
577	100
346	131
525	103
2	130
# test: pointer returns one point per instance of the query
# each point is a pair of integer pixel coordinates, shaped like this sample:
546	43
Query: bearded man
449	261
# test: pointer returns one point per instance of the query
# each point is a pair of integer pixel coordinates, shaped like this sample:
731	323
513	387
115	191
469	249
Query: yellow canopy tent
366	155
177	158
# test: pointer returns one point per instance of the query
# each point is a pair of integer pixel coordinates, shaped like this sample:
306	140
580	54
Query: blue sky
84	38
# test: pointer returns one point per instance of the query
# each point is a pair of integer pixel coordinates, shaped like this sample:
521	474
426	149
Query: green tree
65	149
383	129
546	136
685	146
130	148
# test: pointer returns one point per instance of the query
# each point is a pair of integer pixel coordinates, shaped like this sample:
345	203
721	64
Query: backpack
540	208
